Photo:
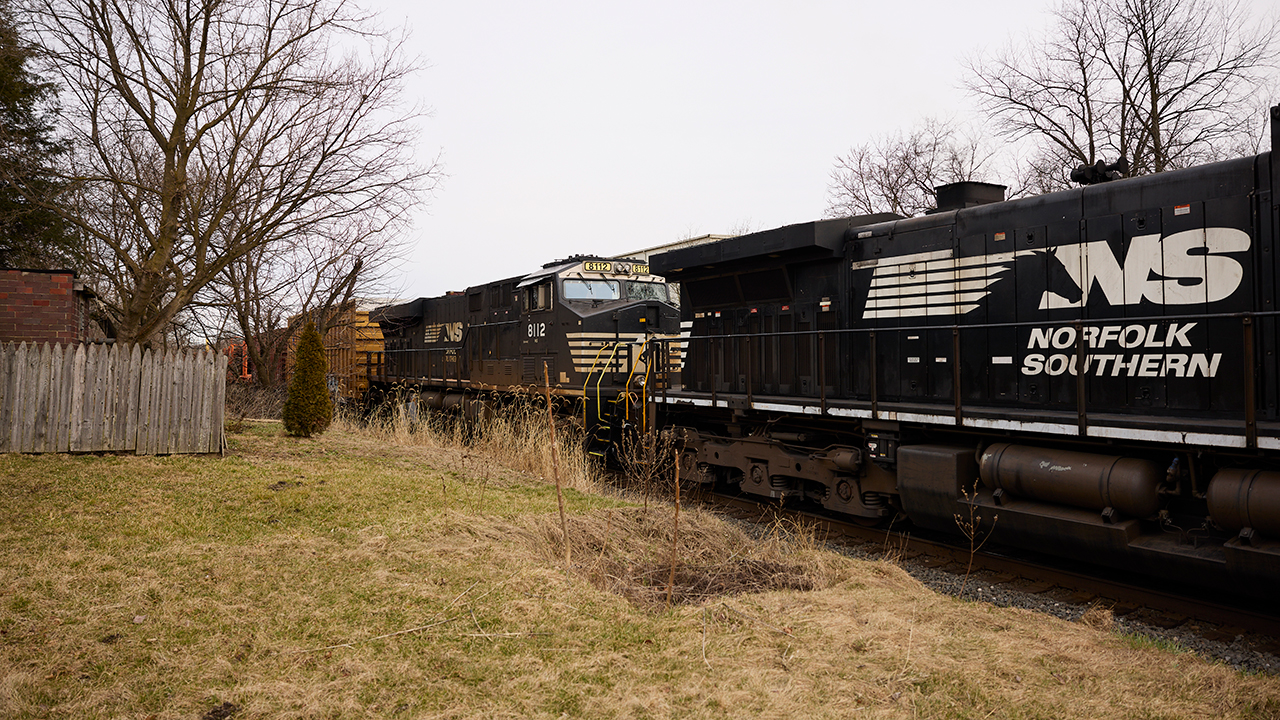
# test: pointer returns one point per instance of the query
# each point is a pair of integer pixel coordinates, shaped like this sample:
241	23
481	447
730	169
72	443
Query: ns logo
1184	268
443	332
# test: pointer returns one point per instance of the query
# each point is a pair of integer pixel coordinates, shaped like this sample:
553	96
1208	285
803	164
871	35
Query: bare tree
208	130
898	173
271	291
1052	91
1197	66
1161	83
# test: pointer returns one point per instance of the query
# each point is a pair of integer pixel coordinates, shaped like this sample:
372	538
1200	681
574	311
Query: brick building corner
39	306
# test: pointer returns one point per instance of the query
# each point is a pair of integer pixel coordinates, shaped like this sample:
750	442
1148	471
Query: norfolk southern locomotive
582	323
1092	372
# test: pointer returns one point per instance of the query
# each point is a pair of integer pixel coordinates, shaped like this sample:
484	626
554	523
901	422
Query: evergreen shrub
308	409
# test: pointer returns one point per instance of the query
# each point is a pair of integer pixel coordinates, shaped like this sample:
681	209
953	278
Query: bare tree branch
1161	83
209	131
898	173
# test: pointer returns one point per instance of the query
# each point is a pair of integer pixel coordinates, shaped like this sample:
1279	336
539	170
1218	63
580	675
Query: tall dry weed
648	462
514	434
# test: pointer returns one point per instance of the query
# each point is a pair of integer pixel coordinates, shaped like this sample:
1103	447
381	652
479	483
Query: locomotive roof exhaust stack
960	195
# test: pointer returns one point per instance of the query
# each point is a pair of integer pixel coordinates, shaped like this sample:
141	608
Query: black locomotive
583	324
1093	368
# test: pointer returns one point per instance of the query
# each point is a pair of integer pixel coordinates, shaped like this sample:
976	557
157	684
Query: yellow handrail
612	355
587	383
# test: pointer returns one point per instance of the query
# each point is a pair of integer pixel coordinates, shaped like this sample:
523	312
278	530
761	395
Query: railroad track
1213	620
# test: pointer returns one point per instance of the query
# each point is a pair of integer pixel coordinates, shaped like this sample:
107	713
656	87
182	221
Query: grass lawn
362	574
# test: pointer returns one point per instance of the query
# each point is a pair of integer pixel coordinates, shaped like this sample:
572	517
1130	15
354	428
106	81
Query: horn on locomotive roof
1100	172
577	258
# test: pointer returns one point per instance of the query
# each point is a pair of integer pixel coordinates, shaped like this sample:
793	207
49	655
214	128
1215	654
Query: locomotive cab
592	323
590	320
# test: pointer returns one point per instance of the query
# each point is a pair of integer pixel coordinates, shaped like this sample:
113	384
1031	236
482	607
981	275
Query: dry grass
381	575
517	438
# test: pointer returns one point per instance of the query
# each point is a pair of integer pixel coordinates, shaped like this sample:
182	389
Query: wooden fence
110	398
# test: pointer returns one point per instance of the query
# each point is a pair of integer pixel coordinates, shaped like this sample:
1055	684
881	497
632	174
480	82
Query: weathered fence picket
97	398
146	381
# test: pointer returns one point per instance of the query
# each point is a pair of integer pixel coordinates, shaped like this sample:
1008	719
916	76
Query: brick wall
40	307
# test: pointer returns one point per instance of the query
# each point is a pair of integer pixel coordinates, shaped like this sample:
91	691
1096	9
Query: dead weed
627	551
645	584
1099	617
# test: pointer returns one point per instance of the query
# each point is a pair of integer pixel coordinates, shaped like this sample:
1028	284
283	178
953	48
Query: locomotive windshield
591	290
647	291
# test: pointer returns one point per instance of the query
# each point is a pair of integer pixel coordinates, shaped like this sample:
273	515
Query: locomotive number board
618	269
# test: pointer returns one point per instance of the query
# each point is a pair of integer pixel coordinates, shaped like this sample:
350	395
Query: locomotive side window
647	291
591	290
538	297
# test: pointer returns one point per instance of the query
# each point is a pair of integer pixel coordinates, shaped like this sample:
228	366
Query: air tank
1082	480
1242	498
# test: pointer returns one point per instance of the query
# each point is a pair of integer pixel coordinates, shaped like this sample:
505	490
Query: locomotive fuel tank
1083	480
1241	498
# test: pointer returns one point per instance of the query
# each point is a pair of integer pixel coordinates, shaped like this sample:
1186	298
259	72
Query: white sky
604	127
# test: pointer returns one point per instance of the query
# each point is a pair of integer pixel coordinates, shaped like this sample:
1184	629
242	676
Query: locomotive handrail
586	383
490	324
612	355
382	371
1247	318
1243	408
644	406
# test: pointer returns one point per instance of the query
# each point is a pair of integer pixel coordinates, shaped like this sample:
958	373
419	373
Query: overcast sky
604	127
